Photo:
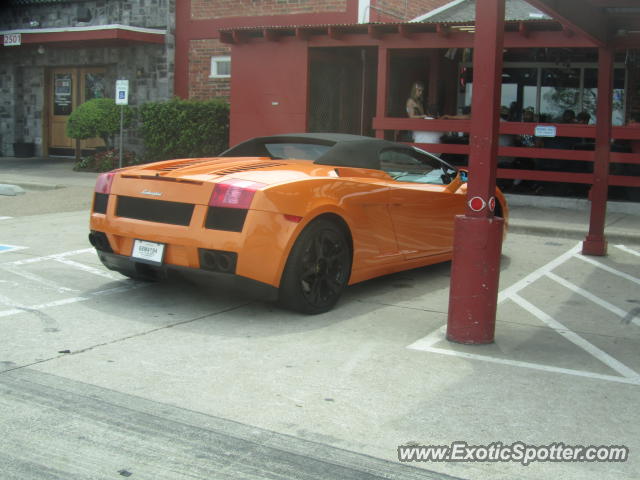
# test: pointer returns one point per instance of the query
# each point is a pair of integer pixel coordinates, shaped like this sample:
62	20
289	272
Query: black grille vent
176	166
222	218
245	167
100	201
160	211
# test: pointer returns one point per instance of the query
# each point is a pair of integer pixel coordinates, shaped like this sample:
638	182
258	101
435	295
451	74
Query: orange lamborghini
294	217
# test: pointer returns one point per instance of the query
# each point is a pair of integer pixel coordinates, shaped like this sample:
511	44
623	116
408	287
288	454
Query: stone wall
139	13
148	67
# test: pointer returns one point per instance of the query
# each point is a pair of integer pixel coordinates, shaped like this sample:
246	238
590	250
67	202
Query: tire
317	270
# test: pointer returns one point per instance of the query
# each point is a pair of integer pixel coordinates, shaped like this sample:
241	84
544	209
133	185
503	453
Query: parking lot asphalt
102	377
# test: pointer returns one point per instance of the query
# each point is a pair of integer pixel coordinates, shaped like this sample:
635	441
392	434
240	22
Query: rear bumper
128	266
262	246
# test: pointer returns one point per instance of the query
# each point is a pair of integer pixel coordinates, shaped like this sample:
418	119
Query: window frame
581	66
213	73
422	157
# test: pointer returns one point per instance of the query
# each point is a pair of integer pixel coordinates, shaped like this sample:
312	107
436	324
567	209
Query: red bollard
475	272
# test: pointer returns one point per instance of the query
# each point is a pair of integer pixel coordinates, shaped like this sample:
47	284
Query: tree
99	117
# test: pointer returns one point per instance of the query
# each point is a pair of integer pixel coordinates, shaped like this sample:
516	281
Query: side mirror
464	175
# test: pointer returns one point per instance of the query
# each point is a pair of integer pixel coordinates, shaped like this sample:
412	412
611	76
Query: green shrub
99	117
104	161
184	128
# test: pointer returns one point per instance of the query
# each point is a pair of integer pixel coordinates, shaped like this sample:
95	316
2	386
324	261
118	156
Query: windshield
416	166
304	151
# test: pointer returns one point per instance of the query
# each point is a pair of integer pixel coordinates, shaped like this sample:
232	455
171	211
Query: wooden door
64	92
70	87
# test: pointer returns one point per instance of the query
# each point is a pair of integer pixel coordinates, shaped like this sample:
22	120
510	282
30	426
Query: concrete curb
554	230
10	190
580	204
36	186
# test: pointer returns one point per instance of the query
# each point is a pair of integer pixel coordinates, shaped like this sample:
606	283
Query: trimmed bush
99	117
105	161
184	128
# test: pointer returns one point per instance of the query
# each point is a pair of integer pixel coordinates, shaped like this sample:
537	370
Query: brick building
57	54
202	59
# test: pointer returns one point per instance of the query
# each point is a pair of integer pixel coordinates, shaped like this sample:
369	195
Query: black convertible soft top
346	150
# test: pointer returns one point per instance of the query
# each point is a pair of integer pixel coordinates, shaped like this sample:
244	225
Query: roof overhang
94	35
555	32
604	22
518	34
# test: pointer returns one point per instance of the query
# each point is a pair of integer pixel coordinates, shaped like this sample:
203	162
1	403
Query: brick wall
211	9
401	10
201	87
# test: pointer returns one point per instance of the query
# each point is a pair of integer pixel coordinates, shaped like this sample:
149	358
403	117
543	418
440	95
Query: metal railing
620	174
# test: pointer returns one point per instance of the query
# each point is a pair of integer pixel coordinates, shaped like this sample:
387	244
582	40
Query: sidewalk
569	217
529	214
43	173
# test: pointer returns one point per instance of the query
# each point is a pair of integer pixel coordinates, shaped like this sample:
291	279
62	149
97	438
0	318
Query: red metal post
595	243
434	77
475	269
383	85
181	63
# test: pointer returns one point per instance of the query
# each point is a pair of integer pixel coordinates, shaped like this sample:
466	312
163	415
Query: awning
114	34
605	22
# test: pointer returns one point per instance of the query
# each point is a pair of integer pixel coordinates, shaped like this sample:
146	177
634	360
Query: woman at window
415	109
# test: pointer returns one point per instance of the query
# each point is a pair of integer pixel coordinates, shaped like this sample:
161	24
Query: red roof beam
271	34
578	15
443	30
374	32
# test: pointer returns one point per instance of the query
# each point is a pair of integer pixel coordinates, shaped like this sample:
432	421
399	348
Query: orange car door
422	213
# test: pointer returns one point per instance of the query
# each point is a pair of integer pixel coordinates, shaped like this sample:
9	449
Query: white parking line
430	340
68	301
534	366
597	300
13	267
50	257
628	250
537	274
609	269
37	279
629	376
6	218
87	268
577	339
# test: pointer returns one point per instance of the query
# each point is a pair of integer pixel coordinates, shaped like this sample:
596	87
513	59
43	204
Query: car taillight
103	183
293	218
234	193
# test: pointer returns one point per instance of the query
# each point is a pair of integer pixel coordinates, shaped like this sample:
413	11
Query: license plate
149	252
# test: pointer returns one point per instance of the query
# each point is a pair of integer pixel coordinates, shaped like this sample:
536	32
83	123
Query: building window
550	90
220	67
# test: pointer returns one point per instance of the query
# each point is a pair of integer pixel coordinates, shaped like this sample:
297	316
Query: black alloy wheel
317	269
